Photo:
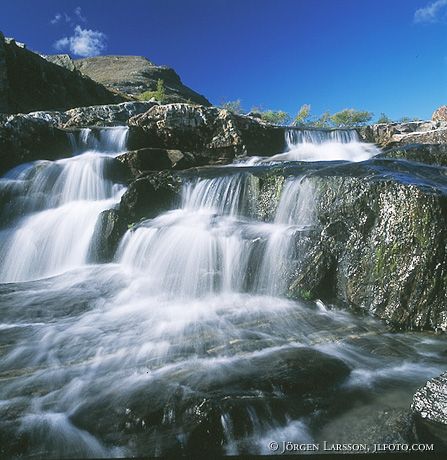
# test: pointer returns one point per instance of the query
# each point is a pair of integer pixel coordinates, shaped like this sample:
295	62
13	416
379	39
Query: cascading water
57	207
320	145
105	140
183	333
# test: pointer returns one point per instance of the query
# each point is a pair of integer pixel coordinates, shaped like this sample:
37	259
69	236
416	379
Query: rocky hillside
398	134
28	82
132	75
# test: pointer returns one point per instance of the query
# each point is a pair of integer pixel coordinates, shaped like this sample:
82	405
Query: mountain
28	82
131	76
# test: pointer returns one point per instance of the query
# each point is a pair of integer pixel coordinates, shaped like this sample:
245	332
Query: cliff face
133	75
28	83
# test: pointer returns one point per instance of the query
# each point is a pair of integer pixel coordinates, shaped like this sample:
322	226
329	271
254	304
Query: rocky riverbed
177	276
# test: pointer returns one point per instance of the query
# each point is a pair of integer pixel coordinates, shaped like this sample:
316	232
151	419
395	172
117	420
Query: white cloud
56	19
433	12
83	42
78	13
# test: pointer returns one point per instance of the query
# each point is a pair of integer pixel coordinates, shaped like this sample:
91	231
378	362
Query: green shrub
159	94
350	117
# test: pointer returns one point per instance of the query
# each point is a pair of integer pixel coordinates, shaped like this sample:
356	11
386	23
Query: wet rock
217	134
109	229
415	132
430	408
369	426
378	243
434	154
149	195
25	138
156	159
440	114
203	408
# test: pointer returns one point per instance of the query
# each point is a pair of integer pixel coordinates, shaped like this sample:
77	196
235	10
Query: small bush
159	94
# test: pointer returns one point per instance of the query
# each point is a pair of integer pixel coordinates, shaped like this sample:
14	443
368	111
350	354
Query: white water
320	145
61	203
195	296
105	140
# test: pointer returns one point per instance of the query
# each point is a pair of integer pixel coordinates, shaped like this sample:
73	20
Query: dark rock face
430	409
149	195
378	245
434	154
397	134
153	159
24	138
109	229
29	82
440	114
217	134
133	75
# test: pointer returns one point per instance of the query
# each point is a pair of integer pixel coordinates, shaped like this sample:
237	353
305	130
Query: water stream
127	358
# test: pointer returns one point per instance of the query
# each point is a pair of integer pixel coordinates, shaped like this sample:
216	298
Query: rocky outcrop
105	115
109	229
378	243
146	197
440	114
398	134
42	135
131	75
153	159
25	138
208	131
430	408
433	154
28	82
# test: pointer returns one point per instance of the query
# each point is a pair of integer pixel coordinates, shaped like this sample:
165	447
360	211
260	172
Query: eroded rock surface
430	409
216	133
399	134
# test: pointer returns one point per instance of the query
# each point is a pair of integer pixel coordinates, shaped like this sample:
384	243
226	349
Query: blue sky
378	55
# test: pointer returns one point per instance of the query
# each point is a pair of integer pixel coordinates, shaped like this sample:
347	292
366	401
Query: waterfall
110	140
325	145
213	243
295	213
319	136
190	330
319	145
54	206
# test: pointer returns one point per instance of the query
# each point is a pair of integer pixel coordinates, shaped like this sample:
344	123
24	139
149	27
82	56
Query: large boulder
440	114
109	229
105	115
430	409
156	159
218	134
379	242
25	138
433	154
28	82
398	134
132	75
147	196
